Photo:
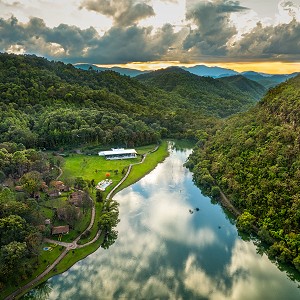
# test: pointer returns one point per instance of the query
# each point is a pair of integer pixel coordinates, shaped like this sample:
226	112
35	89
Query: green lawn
92	167
140	170
96	167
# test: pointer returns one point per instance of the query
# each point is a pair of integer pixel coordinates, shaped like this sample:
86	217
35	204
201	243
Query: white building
119	153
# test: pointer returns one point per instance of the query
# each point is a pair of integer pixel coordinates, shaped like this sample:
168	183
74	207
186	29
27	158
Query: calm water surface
167	249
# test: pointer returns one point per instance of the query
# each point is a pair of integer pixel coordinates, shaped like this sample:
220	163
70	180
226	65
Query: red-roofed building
60	229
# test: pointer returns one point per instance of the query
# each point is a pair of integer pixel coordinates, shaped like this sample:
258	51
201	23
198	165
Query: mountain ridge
206	92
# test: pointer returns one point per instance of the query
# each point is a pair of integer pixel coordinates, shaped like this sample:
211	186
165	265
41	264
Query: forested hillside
213	96
255	159
252	88
49	104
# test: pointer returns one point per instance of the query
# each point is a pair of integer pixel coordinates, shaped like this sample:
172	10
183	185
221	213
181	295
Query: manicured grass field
96	167
140	170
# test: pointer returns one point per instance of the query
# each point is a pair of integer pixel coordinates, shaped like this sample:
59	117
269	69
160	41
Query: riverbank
66	259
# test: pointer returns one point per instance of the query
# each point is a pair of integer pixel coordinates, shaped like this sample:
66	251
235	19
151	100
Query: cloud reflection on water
161	252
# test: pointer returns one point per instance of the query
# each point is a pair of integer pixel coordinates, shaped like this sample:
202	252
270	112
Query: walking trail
74	245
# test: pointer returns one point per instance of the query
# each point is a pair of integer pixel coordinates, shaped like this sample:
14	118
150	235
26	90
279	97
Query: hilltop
251	87
213	96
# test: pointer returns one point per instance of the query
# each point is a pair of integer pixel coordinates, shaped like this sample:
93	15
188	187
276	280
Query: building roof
60	229
119	151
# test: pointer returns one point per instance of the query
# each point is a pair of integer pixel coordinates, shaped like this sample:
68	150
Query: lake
173	243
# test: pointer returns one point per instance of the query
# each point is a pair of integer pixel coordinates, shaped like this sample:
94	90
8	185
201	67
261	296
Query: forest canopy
254	158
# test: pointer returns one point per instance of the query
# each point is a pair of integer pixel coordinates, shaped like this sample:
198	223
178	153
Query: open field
91	167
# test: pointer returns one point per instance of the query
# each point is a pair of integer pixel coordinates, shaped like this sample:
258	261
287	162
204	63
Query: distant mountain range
122	71
266	80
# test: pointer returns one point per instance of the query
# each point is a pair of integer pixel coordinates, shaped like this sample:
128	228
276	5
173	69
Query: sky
259	35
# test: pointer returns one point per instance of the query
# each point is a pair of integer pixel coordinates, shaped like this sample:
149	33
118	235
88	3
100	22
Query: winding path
128	172
74	245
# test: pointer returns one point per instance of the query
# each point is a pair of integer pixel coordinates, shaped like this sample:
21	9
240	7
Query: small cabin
60	229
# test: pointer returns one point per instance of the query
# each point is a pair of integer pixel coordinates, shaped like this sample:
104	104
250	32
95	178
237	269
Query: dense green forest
252	88
50	104
218	97
254	158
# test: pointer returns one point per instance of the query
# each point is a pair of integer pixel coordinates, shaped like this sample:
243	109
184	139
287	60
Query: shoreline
95	243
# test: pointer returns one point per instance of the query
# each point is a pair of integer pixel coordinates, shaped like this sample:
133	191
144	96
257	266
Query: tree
69	213
86	201
11	256
99	196
31	182
12	228
245	222
109	239
80	183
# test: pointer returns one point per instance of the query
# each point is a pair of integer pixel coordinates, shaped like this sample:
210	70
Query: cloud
124	13
13	4
280	42
210	35
36	37
213	27
72	44
292	9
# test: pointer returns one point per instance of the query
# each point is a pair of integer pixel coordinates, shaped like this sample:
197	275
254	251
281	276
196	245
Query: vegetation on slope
213	96
255	159
50	104
252	88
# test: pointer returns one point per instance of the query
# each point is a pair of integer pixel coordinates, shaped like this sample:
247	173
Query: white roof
118	152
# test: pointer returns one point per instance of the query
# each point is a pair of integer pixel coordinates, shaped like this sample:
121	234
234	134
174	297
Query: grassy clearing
92	167
151	161
95	167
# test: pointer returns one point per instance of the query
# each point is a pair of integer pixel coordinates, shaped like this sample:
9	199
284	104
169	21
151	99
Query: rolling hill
253	88
268	80
213	96
51	104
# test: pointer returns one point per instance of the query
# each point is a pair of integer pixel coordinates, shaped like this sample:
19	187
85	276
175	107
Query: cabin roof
60	229
119	151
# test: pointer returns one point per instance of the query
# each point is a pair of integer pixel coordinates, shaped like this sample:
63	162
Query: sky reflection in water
165	252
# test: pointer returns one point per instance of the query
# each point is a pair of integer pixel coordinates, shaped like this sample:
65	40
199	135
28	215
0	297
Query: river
173	243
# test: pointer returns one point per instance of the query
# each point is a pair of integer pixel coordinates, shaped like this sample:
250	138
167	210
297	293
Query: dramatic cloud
36	37
124	13
122	32
271	42
213	27
70	43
